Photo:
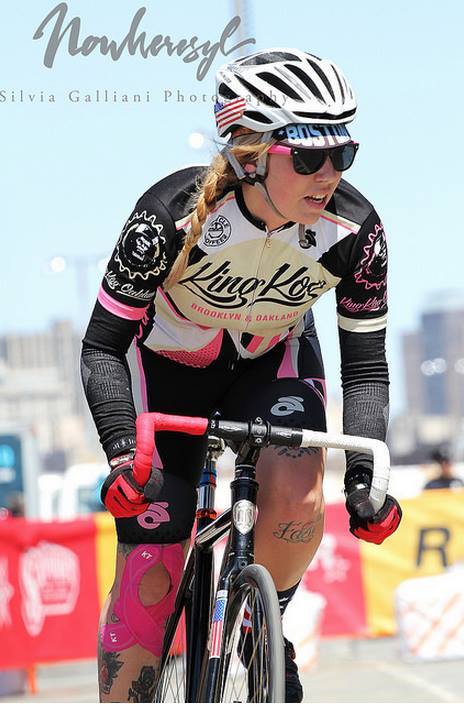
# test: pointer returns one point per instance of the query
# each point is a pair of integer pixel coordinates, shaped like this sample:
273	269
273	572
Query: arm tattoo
296	531
143	689
109	666
294	452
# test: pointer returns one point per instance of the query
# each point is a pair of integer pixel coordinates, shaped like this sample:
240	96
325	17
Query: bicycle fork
238	554
202	589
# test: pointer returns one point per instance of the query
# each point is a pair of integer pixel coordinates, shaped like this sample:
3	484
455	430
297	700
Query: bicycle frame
204	655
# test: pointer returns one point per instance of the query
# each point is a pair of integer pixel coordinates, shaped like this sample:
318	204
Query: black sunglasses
308	161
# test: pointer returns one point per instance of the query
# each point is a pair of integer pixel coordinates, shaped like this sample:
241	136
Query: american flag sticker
217	624
228	112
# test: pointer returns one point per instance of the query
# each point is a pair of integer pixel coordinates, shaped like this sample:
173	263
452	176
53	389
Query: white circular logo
218	232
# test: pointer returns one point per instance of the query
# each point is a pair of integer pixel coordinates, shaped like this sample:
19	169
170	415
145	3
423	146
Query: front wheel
252	665
172	683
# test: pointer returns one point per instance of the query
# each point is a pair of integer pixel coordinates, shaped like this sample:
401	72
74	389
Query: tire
172	682
252	667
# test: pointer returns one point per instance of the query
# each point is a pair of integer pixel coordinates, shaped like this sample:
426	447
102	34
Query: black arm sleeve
106	379
364	372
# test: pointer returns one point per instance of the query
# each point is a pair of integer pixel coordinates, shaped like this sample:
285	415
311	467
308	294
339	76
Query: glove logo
154	516
287	405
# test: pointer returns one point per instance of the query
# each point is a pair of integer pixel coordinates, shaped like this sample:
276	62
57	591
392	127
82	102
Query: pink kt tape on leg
138	623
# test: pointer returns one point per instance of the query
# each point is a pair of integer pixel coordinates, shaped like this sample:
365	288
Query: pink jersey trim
197	358
276	339
289	365
119	309
341	224
321	395
255	343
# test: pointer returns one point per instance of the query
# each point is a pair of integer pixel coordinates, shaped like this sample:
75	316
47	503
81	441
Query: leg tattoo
296	531
109	666
143	689
294	452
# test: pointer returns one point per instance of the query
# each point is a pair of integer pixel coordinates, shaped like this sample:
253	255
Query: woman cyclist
214	276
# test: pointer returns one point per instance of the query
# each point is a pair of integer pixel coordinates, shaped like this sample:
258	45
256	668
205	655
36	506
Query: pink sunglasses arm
279	149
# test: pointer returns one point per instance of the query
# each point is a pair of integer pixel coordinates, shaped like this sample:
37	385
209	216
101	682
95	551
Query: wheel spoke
172	682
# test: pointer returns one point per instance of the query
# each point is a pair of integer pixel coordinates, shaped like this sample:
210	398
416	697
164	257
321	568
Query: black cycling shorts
285	386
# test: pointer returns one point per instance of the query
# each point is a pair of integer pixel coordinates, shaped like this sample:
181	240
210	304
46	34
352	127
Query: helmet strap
258	178
260	173
263	188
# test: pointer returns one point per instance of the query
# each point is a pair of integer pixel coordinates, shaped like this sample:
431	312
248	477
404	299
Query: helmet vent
226	92
257	117
304	78
324	78
313	56
340	83
324	116
270	57
258	94
280	85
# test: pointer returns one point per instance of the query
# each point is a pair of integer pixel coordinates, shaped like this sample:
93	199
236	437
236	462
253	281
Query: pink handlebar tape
146	426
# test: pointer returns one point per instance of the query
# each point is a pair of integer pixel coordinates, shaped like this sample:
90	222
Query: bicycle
226	644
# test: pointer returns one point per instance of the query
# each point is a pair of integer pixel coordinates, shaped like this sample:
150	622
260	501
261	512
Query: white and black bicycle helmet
277	87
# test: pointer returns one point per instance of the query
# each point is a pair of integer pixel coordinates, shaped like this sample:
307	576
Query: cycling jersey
245	290
242	281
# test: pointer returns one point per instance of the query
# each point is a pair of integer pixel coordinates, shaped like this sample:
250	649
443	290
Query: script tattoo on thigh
295	531
143	689
109	666
294	452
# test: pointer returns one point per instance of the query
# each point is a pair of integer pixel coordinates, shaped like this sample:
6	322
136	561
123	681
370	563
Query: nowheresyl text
134	42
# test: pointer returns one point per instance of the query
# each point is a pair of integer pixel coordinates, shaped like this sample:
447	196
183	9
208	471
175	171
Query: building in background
40	390
433	365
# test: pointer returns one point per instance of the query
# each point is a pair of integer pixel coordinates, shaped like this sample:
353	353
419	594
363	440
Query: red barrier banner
51	589
48	591
336	574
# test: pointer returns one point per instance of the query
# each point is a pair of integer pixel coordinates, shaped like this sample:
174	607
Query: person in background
15	505
446	479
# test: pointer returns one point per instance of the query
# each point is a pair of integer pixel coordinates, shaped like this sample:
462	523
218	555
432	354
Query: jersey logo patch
309	239
374	262
140	251
286	405
218	232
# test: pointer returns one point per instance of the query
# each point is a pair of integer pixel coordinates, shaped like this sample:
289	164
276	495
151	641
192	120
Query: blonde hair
219	176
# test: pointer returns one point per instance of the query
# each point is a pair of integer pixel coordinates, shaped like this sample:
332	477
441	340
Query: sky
72	170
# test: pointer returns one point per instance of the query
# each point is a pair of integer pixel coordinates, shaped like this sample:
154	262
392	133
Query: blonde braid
219	176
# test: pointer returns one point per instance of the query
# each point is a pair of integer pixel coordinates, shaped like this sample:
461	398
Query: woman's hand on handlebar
364	523
120	493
